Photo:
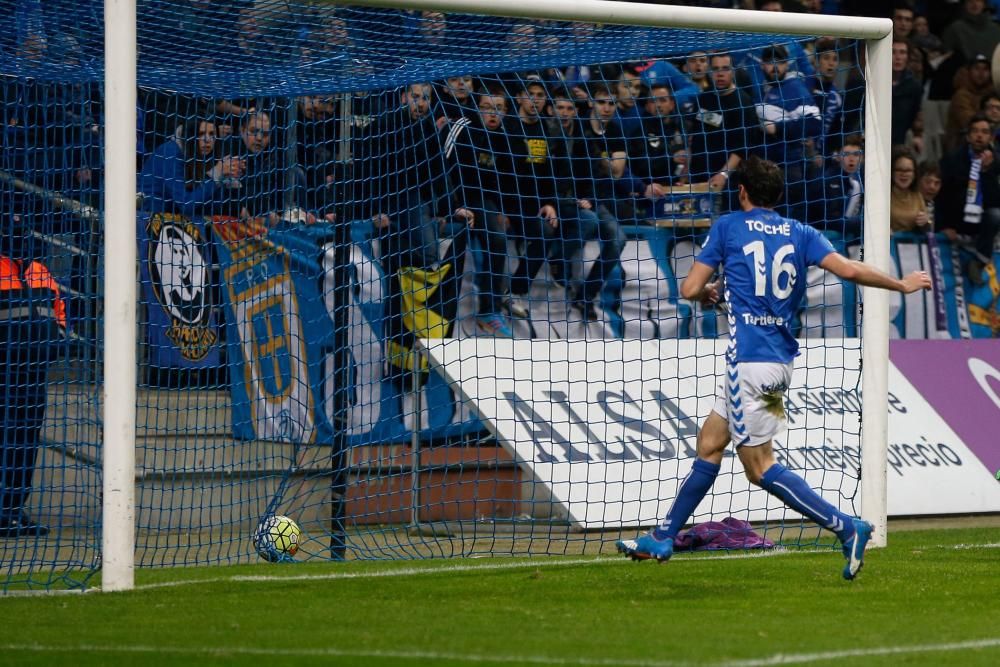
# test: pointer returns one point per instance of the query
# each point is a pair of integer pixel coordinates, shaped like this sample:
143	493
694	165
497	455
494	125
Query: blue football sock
794	492
693	489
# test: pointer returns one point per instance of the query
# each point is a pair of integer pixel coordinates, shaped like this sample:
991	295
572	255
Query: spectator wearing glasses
260	194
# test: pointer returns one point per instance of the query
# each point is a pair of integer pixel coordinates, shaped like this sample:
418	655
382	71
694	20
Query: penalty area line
451	569
436	656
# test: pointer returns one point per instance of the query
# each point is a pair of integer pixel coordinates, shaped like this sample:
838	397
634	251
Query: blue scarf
973	193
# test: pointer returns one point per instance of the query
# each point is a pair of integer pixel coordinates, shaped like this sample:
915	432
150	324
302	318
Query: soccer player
765	258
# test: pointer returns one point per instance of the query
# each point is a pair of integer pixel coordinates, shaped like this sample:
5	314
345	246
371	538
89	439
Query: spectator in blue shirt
182	176
828	97
791	120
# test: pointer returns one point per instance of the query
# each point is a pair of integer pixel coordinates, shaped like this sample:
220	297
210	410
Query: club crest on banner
179	276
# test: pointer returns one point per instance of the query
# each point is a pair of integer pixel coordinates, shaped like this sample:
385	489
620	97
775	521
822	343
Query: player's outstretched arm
865	274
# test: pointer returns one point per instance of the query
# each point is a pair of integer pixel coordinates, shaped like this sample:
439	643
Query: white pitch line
803	658
418	571
778	659
435	656
993	545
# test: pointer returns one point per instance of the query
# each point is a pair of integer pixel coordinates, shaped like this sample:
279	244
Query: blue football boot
854	548
647	547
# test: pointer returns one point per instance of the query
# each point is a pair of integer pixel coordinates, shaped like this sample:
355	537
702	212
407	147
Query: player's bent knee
756	460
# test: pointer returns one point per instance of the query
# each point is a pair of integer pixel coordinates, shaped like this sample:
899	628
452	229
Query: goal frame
120	291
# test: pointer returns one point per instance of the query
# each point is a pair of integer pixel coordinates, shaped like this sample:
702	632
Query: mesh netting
270	47
307	177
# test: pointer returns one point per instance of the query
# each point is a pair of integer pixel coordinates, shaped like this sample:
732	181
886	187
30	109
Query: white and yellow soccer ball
277	538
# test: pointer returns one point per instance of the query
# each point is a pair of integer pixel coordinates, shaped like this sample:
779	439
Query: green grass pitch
932	597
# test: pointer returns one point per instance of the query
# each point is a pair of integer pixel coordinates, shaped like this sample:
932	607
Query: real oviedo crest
179	275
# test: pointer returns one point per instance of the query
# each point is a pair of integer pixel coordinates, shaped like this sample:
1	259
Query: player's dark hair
763	181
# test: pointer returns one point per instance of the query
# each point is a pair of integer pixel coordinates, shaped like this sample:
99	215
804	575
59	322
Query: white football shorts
752	400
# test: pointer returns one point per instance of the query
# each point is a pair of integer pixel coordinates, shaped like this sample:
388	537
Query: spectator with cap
791	121
968	97
696	67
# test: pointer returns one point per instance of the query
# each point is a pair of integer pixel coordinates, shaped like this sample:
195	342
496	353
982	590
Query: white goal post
119	353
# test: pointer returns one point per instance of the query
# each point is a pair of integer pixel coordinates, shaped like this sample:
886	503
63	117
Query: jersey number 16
780	267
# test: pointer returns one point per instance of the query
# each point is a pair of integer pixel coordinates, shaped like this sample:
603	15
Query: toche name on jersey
784	229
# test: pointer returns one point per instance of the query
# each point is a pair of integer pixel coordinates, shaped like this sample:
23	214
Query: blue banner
181	321
970	307
274	334
278	289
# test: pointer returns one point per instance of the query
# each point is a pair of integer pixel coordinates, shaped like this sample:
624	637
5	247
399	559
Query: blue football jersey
765	258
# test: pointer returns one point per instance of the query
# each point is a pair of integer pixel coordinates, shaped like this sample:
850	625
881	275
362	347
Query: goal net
411	277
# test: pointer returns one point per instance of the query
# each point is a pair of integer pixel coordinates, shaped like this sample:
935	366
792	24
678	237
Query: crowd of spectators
547	159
